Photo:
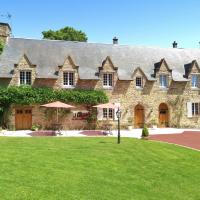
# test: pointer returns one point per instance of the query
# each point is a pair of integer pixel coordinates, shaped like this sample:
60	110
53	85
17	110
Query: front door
163	115
139	116
23	118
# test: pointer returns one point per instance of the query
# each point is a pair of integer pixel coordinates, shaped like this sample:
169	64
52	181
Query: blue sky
135	22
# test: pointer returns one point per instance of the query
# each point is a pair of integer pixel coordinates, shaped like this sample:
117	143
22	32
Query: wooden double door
23	118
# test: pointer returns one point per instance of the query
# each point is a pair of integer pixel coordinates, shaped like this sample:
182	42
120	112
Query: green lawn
97	169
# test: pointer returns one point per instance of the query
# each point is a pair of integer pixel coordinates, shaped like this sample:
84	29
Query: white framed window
108	113
108	80
163	81
195	109
68	79
25	77
195	81
138	82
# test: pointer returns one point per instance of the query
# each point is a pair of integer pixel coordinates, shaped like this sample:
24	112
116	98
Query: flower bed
43	133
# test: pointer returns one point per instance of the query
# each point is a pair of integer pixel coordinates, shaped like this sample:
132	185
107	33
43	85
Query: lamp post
118	113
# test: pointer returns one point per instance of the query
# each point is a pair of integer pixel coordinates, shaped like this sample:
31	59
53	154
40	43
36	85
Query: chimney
5	31
175	44
115	40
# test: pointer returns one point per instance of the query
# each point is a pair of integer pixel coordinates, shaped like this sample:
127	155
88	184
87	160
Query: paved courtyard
187	138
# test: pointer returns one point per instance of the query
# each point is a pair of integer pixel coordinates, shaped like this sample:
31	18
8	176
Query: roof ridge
97	43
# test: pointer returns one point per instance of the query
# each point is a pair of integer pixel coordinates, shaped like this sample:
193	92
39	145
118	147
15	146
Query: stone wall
47	117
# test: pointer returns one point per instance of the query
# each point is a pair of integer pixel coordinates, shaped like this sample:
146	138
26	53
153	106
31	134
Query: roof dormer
161	67
192	67
107	65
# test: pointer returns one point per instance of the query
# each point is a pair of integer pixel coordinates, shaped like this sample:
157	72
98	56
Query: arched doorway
163	115
139	116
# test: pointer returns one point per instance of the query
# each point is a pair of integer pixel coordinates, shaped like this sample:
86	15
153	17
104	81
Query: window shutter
189	109
115	110
99	114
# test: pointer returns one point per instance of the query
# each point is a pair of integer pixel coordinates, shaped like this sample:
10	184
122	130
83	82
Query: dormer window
195	81
108	80
25	77
163	81
138	82
68	79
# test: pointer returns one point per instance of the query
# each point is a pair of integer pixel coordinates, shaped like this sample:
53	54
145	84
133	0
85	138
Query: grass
96	169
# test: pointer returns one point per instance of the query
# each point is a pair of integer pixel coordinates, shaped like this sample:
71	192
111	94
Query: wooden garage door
23	119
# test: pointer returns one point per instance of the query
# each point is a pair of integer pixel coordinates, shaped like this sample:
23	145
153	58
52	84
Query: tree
66	33
1	46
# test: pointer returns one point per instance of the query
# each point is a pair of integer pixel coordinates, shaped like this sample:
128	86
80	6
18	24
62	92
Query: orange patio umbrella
57	105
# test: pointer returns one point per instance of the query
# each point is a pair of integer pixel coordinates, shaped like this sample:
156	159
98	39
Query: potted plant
145	132
35	127
154	123
130	123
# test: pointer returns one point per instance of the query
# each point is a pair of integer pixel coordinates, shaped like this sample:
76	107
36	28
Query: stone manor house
152	85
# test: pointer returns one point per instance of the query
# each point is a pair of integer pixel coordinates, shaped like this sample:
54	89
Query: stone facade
150	96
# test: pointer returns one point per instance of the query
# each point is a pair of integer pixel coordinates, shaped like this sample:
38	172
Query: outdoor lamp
118	114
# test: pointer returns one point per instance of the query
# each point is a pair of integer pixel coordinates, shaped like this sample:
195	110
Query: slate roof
47	55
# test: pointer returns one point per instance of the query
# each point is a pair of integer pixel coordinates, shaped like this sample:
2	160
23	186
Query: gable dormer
68	64
161	67
190	68
192	72
108	73
68	73
139	78
24	72
163	74
24	63
107	65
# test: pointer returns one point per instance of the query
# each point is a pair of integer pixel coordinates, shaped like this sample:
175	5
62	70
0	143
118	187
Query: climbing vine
177	106
26	95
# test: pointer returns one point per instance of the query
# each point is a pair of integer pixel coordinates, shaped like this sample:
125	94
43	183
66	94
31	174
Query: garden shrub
145	132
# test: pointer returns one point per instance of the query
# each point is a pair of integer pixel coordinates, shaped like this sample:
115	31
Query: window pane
110	113
22	78
194	80
105	79
25	78
105	113
71	78
65	79
163	80
193	109
28	78
196	108
68	78
138	81
110	80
